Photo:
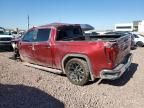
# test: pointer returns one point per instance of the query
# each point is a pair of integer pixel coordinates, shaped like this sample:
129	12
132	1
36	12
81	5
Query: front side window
42	35
29	36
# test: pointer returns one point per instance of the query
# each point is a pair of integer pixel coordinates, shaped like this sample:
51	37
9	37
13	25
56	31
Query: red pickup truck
63	48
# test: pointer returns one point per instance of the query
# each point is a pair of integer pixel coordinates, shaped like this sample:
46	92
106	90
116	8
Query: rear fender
78	56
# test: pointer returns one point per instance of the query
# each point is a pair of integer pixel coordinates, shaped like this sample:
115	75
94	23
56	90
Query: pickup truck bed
122	42
94	38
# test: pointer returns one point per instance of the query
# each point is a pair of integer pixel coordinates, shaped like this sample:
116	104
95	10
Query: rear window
43	35
69	32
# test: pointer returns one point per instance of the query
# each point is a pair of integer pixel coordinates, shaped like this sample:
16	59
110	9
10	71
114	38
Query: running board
56	71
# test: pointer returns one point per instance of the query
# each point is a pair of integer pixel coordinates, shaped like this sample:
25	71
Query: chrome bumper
116	72
3	43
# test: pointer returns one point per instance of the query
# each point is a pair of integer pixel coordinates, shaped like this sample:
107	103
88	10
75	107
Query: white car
139	40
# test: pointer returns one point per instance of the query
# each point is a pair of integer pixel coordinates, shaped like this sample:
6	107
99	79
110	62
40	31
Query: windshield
1	32
4	33
141	35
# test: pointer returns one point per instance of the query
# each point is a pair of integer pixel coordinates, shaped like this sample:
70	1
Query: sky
102	14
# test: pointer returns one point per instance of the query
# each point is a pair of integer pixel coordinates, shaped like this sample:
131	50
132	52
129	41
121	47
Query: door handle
47	46
30	46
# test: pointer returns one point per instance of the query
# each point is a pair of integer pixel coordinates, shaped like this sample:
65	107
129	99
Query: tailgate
124	45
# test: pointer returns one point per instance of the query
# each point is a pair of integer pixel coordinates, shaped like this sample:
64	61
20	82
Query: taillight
111	52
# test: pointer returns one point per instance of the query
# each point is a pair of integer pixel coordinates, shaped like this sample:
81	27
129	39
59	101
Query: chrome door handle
30	46
47	46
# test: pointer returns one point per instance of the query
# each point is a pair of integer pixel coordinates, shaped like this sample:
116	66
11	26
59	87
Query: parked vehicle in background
14	43
5	38
63	48
123	32
90	33
138	39
17	34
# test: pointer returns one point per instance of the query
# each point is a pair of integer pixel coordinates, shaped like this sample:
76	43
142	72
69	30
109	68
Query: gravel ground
25	87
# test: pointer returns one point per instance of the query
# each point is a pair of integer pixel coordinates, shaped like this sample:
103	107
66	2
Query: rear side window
43	35
69	32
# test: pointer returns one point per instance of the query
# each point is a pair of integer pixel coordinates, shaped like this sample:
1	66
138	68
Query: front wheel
77	71
140	44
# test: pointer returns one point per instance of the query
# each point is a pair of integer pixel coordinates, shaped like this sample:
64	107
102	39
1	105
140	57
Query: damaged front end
14	44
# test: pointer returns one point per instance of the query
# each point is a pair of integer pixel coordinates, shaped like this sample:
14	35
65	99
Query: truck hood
6	36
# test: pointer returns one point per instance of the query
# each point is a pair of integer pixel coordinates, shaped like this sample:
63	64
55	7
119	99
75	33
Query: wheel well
139	42
71	57
78	57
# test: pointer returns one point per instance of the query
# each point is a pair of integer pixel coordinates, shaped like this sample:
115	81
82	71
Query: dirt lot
25	87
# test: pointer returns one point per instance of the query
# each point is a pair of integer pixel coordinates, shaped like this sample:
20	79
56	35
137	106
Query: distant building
141	27
124	27
136	26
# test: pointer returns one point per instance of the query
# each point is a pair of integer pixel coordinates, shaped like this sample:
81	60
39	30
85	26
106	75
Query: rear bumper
118	71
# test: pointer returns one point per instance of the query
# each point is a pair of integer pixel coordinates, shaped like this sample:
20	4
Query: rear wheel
140	44
77	71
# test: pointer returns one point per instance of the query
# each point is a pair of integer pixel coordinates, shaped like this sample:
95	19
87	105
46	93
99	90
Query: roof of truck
84	27
58	25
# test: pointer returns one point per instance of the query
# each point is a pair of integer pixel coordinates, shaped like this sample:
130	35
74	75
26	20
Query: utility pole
28	21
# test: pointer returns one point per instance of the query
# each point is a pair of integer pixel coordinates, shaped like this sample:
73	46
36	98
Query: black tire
78	76
140	44
8	48
11	48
